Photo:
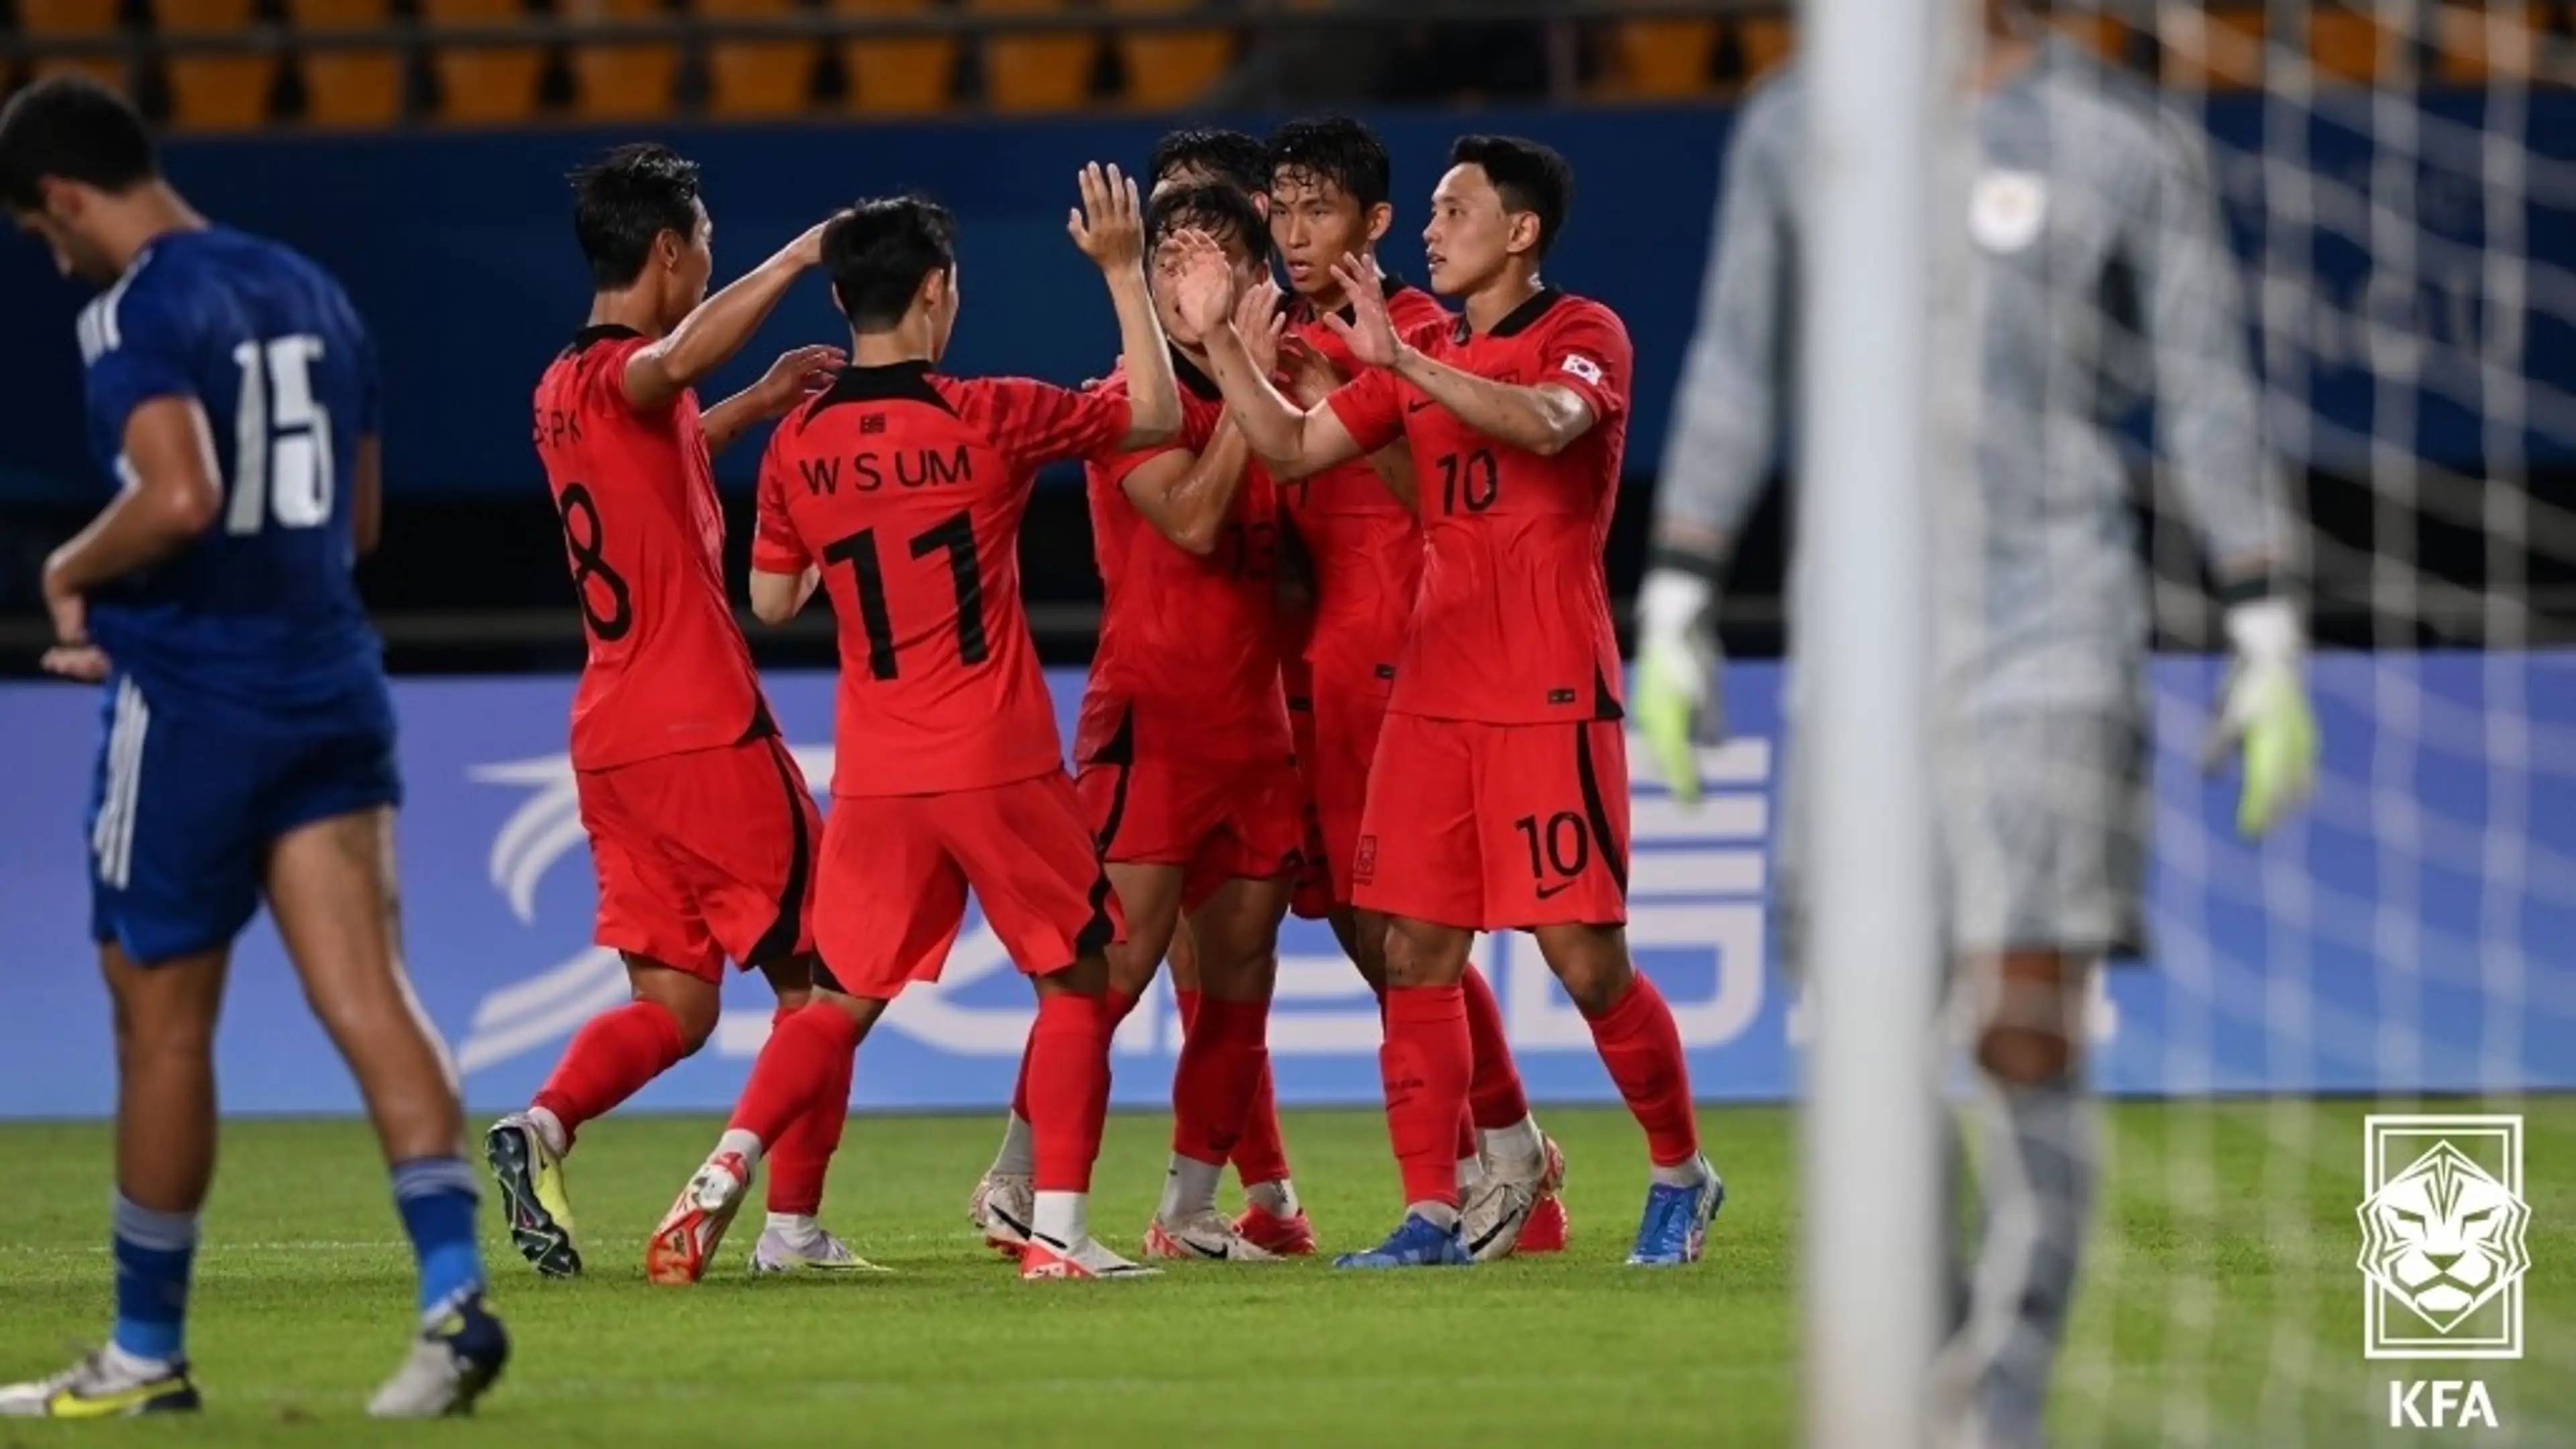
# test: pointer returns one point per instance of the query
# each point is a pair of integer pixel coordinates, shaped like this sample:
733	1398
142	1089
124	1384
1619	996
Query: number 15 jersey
907	488
667	670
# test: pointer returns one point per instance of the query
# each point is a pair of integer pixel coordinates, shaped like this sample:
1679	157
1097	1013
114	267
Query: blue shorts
182	813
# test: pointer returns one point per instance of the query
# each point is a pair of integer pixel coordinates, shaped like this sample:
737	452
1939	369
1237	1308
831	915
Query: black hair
1333	149
74	129
1531	177
1221	211
878	251
625	199
1241	160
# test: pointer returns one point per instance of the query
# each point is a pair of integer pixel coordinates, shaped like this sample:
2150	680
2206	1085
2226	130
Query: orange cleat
1289	1236
1042	1258
686	1241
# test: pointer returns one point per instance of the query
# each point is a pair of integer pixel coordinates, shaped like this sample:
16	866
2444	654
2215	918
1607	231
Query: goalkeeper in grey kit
2100	280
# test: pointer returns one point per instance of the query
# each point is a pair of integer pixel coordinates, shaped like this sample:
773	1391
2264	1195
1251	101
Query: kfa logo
2443	1227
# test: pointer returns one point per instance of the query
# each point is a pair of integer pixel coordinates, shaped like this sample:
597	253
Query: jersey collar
598	333
1190	377
891	382
1516	321
1300	310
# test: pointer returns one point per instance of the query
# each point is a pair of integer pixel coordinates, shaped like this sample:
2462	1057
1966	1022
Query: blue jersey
256	623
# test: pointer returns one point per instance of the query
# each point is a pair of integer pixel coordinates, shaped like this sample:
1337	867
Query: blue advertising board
2413	933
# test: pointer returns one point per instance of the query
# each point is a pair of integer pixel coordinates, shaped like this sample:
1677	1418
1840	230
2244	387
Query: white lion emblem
2444	1237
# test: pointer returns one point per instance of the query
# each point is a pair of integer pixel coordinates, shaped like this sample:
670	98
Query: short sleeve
1588	353
1036	423
775	546
137	347
1371	407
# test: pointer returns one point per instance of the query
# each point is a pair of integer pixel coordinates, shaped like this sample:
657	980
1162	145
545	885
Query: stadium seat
1763	41
348	87
73	17
2103	36
758	77
1167	69
483	85
1661	58
2345	45
216	92
2475	44
2210	51
621	82
896	77
1036	72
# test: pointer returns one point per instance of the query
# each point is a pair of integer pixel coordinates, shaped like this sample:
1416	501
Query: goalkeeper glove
2266	714
1678	707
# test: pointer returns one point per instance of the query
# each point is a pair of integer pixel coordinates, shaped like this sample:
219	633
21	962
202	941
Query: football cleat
1046	1258
1674	1229
1417	1242
1288	1235
458	1355
1500	1209
686	1241
1002	1205
776	1252
103	1385
531	1178
1203	1237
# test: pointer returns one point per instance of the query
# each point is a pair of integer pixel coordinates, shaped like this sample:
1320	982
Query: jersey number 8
281	439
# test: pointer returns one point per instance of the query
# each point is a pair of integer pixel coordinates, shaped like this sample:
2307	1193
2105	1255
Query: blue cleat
1417	1242
1674	1230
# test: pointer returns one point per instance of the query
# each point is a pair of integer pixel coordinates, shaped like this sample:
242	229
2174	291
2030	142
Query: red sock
1222	1062
1119	1005
1496	1098
613	1055
1643	1050
1069	1087
805	1055
802	1157
1261	1153
1188	1001
1425	1064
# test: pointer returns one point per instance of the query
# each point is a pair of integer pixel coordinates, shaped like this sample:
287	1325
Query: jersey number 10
281	438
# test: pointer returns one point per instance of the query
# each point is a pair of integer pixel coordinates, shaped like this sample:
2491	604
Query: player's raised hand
1204	288
1371	335
1261	325
1109	226
797	372
1310	376
807	250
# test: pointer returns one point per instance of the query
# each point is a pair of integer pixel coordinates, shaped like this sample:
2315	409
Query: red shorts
895	870
704	855
1496	826
1334	757
1236	820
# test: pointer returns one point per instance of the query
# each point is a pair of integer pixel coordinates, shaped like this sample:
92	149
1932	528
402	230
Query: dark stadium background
454	239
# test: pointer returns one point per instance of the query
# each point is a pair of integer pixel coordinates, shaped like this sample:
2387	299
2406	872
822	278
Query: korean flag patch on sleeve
1583	367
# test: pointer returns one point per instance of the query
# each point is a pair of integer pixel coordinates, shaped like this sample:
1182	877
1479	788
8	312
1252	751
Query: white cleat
1002	1205
685	1243
1203	1237
776	1252
1086	1258
455	1357
1497	1209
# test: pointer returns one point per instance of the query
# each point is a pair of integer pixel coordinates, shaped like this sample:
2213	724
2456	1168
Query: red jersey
1189	652
667	670
1512	624
908	487
1365	544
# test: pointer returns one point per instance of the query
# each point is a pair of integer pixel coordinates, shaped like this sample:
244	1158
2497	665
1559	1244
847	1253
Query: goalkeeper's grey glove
2266	715
1678	706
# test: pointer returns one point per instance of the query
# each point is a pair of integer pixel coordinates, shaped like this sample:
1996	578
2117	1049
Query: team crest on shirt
2007	209
1583	367
1364	860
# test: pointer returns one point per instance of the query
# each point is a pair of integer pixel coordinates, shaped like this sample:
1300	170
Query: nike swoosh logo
1546	891
1207	1252
1417	405
1014	1224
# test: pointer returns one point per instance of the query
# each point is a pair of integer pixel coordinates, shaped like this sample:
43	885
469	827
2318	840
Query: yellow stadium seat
757	77
2210	51
1764	42
2102	36
896	77
1167	69
348	87
73	17
2344	45
1662	58
213	92
1050	72
483	85
621	82
2479	43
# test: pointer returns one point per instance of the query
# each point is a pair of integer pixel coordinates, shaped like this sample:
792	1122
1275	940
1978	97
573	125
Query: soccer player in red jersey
901	492
701	828
1498	796
1329	184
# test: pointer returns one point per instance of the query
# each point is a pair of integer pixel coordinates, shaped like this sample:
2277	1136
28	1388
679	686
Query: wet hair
877	252
1240	159
1334	149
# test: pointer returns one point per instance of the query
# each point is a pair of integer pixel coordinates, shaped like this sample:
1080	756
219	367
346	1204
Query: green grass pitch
2221	1305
